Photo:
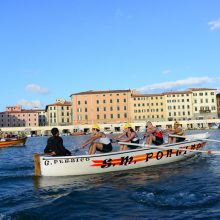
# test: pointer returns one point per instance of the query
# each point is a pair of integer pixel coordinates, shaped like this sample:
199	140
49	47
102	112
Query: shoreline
117	127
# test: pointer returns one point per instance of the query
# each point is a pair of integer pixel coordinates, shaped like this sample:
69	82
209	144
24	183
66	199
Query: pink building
15	116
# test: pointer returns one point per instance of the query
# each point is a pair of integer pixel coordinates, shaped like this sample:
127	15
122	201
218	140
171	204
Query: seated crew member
176	131
55	145
153	135
130	137
98	142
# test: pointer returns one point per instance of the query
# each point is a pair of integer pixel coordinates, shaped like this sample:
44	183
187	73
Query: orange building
107	106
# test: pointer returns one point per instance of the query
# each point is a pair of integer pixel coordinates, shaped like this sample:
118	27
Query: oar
170	147
74	151
191	138
138	145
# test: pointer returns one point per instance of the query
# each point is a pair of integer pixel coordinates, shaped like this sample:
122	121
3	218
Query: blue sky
51	49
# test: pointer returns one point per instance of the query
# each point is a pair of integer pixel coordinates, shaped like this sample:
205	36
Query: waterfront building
59	113
178	105
218	104
15	116
105	106
146	107
42	117
204	103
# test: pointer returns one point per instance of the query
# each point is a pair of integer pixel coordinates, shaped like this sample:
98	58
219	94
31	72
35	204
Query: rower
176	131
98	141
130	136
153	135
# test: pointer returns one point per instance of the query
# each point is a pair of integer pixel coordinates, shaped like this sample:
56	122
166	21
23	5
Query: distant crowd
9	135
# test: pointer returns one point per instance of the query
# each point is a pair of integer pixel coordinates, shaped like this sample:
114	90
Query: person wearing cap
153	135
55	146
129	135
175	131
98	141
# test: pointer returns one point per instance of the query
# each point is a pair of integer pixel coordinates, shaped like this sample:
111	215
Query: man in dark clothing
55	145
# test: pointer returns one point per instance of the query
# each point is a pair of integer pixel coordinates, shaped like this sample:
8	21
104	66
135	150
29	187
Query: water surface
185	190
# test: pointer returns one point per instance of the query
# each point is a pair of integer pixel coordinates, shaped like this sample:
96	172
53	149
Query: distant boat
214	126
7	142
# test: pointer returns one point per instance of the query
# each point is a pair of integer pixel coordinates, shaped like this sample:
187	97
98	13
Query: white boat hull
115	161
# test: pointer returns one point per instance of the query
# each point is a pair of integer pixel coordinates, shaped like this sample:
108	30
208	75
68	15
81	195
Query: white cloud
120	14
214	24
29	104
165	72
36	89
176	84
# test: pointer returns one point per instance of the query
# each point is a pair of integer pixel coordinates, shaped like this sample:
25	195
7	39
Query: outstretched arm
129	138
119	136
93	138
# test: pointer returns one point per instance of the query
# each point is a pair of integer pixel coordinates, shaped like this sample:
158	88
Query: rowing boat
7	142
143	156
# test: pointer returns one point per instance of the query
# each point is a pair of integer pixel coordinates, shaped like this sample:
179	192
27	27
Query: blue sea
185	190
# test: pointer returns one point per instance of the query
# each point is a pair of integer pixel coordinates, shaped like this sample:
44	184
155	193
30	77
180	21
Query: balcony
204	111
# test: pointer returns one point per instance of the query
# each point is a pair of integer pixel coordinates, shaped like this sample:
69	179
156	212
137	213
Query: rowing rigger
192	138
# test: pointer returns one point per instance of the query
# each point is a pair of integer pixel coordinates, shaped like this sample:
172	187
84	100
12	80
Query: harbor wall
140	126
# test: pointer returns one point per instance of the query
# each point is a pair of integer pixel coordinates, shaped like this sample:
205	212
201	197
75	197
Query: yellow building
218	104
204	103
59	113
105	106
148	107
